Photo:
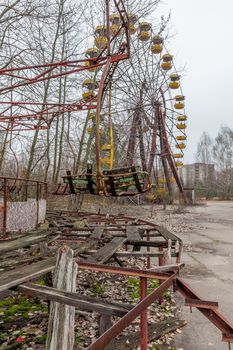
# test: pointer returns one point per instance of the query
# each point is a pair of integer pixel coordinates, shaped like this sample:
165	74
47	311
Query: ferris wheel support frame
166	154
153	148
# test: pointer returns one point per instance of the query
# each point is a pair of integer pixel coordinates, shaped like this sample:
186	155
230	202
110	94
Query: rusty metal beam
201	304
143	323
211	313
125	321
125	271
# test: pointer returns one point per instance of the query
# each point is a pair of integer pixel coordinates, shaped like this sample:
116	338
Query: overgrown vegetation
97	289
134	288
19	317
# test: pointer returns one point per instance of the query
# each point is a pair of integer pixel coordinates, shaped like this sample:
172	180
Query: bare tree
223	149
204	149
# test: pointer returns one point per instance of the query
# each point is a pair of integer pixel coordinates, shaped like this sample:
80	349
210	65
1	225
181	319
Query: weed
19	305
134	287
97	288
78	338
159	347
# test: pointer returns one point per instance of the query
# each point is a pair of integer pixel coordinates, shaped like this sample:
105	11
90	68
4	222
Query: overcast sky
203	42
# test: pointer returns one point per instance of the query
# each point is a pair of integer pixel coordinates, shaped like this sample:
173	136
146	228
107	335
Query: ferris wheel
142	119
147	88
135	123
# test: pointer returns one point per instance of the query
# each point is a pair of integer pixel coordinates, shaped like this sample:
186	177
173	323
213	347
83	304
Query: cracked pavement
208	255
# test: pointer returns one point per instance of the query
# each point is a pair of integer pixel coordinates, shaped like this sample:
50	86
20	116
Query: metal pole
160	264
143	324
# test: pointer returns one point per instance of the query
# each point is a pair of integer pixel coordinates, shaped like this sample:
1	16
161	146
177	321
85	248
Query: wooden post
62	317
105	323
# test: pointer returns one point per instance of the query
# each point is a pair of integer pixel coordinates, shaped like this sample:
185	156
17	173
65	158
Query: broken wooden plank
97	232
11	263
90	242
167	234
105	323
105	253
44	251
81	302
22	242
132	233
60	334
23	274
155	331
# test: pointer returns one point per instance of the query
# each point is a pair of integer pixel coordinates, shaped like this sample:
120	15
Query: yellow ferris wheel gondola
181	145
115	20
178	155
181	126
175	81
167	62
179	105
144	31
132	21
181	137
179	164
179	102
101	39
181	118
157	44
89	87
92	52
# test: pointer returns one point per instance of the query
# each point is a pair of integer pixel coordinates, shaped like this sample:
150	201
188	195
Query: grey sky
204	44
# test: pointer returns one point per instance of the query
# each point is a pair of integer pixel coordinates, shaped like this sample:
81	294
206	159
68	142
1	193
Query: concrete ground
208	255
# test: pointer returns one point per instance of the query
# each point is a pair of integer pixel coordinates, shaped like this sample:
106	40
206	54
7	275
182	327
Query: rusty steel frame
41	119
6	193
168	280
208	309
166	154
42	76
119	223
126	320
105	59
158	130
143	320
